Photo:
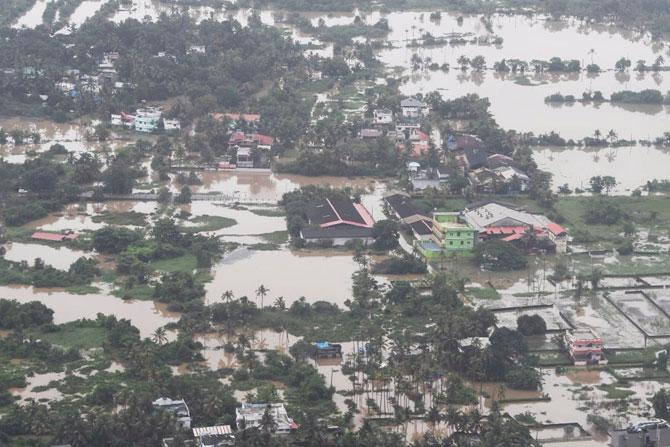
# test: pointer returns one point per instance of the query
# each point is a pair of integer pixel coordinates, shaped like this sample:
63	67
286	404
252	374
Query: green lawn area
208	223
638	208
139	292
269	212
186	263
71	335
83	289
276	237
125	218
482	293
615	393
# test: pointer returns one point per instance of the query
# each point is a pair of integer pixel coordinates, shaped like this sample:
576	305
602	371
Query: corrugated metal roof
215	430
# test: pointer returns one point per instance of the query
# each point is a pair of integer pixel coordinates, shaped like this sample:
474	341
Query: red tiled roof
505	230
556	229
248	117
54	237
264	139
239	137
513	237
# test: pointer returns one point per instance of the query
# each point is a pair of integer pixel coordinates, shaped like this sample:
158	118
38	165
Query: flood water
317	276
630	166
57	257
147	316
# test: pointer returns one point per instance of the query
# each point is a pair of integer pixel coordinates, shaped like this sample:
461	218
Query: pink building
585	347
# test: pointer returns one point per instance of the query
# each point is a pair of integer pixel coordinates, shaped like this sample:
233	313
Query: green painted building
452	233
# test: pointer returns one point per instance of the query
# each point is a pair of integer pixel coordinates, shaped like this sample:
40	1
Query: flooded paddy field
631	166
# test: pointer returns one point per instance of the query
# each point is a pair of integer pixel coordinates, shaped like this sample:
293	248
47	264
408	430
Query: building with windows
413	108
216	436
250	415
146	120
495	220
452	233
382	116
585	347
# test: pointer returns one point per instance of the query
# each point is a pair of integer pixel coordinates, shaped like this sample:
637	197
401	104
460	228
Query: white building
493	215
382	116
116	120
147	119
169	125
250	415
197	49
413	108
508	173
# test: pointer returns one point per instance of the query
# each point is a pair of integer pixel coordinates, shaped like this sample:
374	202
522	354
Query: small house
197	49
422	230
382	116
250	416
370	134
585	347
512	178
404	209
413	108
463	142
170	125
323	349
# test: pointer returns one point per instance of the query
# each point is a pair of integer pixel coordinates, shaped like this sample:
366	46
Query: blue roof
322	344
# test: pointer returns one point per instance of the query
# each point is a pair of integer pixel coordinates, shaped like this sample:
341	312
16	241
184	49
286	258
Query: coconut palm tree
262	292
612	136
159	336
227	296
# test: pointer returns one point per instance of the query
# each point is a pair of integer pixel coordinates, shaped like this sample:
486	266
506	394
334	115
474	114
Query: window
462	242
451	242
458	234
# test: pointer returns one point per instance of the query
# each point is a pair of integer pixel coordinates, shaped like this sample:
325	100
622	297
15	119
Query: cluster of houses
147	119
486	173
404	129
247	416
452	232
74	83
247	147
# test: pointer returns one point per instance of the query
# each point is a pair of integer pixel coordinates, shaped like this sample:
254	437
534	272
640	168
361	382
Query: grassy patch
482	293
125	218
72	335
208	223
276	237
268	212
615	393
638	208
549	359
139	292
83	289
186	263
264	247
